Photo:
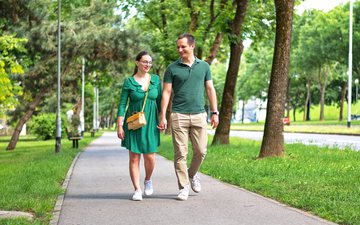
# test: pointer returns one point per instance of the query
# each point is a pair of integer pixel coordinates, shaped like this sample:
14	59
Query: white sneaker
183	194
148	188
195	183
137	195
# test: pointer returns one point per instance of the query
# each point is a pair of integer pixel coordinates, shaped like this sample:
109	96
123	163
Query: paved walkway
99	193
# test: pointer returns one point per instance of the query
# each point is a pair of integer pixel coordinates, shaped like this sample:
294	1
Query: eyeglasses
146	63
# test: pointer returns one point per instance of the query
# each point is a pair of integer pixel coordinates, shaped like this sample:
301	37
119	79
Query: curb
15	214
58	205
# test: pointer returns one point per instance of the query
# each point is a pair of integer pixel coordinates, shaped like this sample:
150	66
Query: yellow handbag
138	120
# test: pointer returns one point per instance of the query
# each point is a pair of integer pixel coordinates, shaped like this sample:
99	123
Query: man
188	77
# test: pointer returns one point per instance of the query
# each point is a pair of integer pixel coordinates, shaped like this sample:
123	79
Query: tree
236	49
321	46
11	51
254	81
91	31
273	139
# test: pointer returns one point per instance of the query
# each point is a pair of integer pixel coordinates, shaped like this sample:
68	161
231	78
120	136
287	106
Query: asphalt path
322	140
99	192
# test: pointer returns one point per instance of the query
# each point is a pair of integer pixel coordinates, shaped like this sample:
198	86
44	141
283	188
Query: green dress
147	138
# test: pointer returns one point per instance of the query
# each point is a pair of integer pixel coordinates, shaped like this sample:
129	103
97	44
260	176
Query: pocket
174	120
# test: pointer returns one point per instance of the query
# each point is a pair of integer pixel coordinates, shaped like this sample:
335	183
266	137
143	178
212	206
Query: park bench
92	131
74	139
355	117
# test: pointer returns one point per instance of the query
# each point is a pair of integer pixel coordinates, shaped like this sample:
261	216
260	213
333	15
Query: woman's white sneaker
148	188
137	195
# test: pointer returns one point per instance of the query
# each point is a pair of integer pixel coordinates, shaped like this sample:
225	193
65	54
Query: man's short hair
190	38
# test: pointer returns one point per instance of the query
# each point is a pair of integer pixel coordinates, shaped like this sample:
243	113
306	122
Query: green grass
323	181
32	174
331	112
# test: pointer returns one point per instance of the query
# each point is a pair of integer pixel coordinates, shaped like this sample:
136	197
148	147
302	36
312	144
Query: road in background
331	140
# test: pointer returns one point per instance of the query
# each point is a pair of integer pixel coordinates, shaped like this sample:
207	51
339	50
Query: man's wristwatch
215	113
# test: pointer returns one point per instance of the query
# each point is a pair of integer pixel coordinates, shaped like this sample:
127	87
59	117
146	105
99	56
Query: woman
146	139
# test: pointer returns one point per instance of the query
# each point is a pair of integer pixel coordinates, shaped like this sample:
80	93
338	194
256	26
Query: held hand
120	133
214	121
162	124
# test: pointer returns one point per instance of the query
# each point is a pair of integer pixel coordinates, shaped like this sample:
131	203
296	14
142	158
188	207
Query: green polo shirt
188	84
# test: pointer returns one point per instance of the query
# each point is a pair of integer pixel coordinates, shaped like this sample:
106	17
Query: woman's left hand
121	133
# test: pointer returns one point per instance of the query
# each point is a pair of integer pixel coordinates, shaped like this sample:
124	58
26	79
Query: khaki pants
183	127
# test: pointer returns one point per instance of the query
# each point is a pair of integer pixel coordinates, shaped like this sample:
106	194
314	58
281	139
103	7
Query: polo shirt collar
179	61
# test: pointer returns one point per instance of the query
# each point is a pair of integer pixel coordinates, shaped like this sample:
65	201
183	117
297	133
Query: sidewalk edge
58	205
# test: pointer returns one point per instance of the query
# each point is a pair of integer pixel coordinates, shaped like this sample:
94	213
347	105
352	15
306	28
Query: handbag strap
146	95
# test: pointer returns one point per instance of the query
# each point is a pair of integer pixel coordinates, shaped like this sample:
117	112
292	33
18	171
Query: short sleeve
168	76
208	73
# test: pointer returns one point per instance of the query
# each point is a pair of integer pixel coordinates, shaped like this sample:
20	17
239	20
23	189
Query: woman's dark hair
138	57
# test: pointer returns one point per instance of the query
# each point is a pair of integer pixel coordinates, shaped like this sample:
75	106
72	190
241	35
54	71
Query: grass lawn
331	112
32	174
323	181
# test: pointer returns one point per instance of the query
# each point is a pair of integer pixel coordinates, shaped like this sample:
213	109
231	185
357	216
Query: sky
325	5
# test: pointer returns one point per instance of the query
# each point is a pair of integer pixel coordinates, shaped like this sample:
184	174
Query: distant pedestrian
188	77
146	139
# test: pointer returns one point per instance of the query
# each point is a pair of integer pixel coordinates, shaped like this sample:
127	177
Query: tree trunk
308	118
273	139
112	114
163	19
236	49
323	76
77	108
214	48
307	100
30	110
219	36
342	100
243	112
288	99
194	17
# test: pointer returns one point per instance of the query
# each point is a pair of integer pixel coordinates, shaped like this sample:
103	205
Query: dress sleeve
124	98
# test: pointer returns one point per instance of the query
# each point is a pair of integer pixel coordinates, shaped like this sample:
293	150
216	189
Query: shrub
44	126
74	125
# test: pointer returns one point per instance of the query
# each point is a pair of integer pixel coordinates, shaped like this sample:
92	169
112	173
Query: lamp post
350	63
58	115
82	118
356	97
94	110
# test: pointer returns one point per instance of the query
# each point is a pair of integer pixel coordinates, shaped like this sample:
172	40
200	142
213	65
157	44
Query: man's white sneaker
183	194
137	195
195	184
148	188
